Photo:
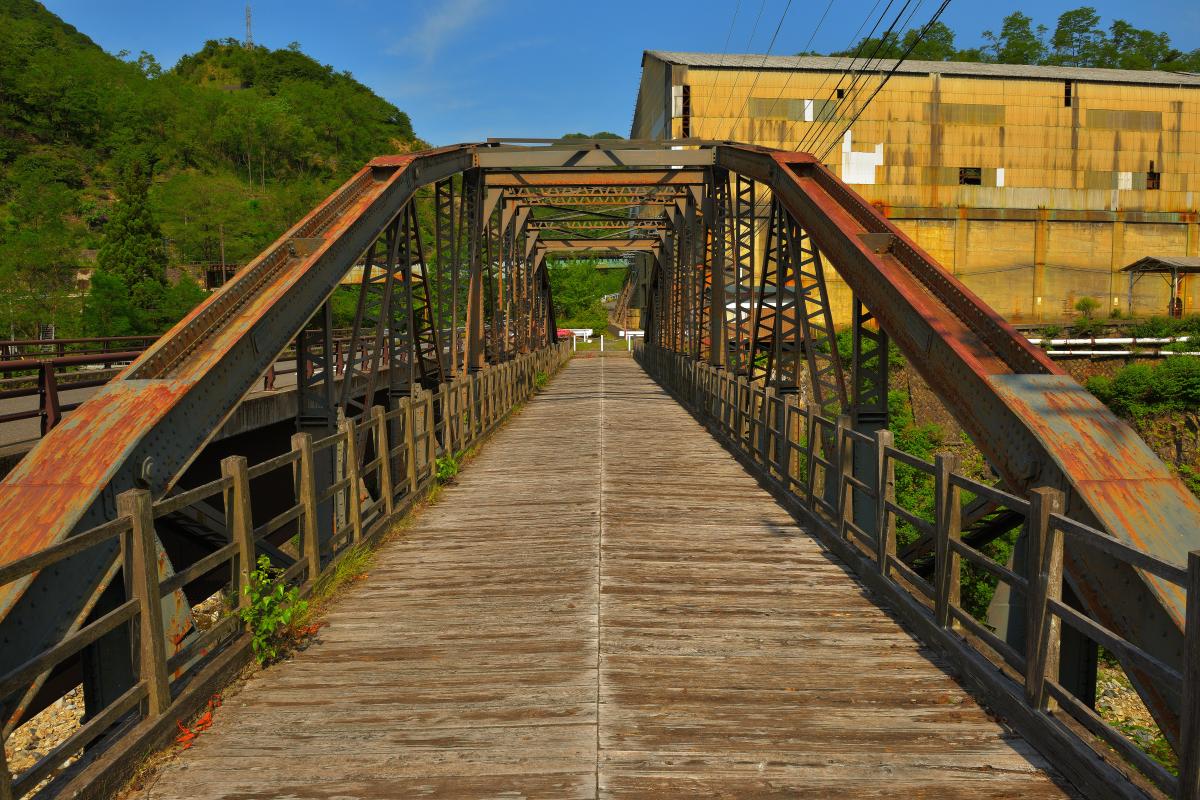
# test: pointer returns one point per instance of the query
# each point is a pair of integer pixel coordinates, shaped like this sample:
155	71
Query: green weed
270	612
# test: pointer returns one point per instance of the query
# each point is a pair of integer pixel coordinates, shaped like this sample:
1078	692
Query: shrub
1087	306
540	381
270	612
447	467
1141	389
1154	328
1087	327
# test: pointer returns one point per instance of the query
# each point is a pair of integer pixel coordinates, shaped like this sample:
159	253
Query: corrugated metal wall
1034	202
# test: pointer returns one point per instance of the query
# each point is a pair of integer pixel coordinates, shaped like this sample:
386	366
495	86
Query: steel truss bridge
731	246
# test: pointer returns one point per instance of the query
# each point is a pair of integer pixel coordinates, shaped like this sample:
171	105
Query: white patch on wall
808	110
1124	180
859	167
677	100
999	176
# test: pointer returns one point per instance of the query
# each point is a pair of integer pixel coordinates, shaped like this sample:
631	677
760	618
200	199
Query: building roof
966	68
1185	264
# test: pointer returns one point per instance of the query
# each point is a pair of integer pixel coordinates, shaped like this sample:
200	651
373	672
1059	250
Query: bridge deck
606	604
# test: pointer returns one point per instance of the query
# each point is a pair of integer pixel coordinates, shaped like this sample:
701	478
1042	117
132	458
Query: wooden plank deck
606	605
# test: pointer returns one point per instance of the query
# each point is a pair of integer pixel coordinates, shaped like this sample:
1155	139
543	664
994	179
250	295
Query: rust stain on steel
1115	473
50	489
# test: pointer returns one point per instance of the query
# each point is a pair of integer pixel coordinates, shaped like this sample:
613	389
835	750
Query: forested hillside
116	162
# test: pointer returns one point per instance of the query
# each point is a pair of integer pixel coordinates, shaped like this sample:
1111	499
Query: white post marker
602	343
574	339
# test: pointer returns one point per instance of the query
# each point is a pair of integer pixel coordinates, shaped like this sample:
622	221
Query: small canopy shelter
1171	268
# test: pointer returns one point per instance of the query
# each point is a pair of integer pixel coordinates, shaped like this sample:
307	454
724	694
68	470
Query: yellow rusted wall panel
1033	152
992	245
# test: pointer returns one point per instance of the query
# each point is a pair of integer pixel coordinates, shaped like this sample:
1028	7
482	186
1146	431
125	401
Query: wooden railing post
383	450
306	492
140	547
739	434
1189	725
764	427
885	492
947	526
843	447
353	496
783	439
812	434
239	520
431	438
410	443
1044	573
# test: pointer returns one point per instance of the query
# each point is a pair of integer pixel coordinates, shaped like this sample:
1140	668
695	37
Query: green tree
108	309
936	45
1079	41
133	250
1137	48
1019	42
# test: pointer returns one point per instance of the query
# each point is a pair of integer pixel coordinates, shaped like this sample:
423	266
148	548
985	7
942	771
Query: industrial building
1035	185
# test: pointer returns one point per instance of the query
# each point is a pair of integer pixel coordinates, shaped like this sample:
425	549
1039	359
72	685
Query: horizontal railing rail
37	374
817	463
362	496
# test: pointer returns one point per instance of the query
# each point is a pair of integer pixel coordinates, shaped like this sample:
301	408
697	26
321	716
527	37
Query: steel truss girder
1010	398
162	410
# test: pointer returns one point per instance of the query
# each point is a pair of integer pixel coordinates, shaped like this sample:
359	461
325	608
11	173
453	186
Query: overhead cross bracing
459	281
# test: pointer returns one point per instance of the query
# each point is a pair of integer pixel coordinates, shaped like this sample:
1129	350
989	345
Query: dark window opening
841	93
1067	94
1153	179
970	176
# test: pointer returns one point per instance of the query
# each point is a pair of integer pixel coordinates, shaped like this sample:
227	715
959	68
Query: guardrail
46	378
807	457
175	680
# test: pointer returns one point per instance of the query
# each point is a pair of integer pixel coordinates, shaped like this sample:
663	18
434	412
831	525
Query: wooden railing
404	444
809	459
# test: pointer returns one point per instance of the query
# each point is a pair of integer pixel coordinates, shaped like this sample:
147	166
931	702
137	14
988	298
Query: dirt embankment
1174	436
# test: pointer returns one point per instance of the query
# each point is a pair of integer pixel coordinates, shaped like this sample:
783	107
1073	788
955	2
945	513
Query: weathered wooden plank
606	604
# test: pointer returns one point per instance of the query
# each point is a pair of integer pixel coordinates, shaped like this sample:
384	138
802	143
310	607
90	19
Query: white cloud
439	26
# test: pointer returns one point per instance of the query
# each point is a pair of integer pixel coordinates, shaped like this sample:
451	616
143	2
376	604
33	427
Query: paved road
606	605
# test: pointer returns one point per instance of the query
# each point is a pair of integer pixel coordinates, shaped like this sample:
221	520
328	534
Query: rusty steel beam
595	182
598	245
590	158
147	425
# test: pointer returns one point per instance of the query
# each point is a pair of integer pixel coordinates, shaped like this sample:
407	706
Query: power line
792	73
850	67
860	80
758	74
815	135
729	33
916	40
742	65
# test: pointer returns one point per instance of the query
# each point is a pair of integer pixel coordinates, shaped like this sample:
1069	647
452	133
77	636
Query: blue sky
468	69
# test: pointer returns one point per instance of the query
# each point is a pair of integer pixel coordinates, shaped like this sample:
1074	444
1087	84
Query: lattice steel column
717	219
816	322
868	404
743	268
446	244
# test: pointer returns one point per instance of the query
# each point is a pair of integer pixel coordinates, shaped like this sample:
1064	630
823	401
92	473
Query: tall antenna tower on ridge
249	34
